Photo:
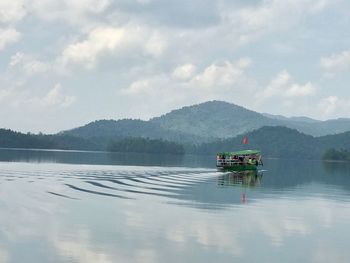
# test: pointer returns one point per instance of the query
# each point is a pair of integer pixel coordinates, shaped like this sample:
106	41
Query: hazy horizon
64	64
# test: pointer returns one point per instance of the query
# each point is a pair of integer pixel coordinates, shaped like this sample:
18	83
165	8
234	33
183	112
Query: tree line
278	142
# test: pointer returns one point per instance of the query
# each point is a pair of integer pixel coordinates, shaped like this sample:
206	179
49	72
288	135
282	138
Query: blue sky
65	63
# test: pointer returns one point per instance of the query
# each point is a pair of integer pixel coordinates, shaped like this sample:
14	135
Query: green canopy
244	152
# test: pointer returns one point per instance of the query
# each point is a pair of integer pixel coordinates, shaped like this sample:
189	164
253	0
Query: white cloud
336	62
28	64
155	45
269	16
282	87
184	71
122	41
139	86
53	99
8	36
16	96
11	11
73	12
333	104
56	98
99	41
210	79
221	75
297	90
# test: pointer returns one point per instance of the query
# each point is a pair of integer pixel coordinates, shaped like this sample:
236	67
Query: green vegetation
337	155
279	142
213	119
12	139
107	130
218	119
145	145
203	123
273	141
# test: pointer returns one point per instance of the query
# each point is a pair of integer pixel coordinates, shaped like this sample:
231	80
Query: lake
65	206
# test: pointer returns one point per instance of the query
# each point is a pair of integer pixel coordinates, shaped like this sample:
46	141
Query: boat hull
239	167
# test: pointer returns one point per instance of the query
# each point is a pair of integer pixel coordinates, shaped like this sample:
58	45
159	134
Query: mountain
105	130
224	120
216	119
203	122
279	142
296	118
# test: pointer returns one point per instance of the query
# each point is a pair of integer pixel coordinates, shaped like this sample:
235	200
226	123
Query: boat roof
244	152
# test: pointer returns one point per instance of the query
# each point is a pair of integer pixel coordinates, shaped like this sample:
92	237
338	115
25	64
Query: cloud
171	14
116	41
8	36
184	72
53	99
212	77
269	16
11	11
139	86
333	104
336	62
28	64
282	87
56	98
81	13
187	84
155	45
98	41
221	75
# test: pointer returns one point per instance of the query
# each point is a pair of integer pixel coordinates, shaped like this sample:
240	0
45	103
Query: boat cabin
241	160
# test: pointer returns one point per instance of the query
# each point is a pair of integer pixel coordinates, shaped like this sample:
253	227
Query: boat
246	160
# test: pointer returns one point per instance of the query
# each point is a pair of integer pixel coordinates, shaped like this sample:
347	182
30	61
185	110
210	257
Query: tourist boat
239	161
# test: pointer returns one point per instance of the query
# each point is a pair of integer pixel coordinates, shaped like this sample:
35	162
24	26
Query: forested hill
279	142
113	130
273	141
12	139
204	122
224	120
214	118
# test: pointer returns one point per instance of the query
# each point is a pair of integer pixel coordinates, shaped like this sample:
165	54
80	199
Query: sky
65	63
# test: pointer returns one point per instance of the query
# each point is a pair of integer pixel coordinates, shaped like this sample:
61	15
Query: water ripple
118	182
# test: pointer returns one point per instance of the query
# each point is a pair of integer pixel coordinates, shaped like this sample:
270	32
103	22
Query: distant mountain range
206	122
201	129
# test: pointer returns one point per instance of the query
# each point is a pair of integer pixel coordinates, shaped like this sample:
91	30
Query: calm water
101	208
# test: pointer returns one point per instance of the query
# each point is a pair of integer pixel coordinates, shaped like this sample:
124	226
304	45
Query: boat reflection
245	178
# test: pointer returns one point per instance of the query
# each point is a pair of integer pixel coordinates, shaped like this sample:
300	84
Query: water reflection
245	178
336	167
54	212
103	158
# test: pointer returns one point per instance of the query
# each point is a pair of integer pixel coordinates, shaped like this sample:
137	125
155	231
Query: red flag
245	140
